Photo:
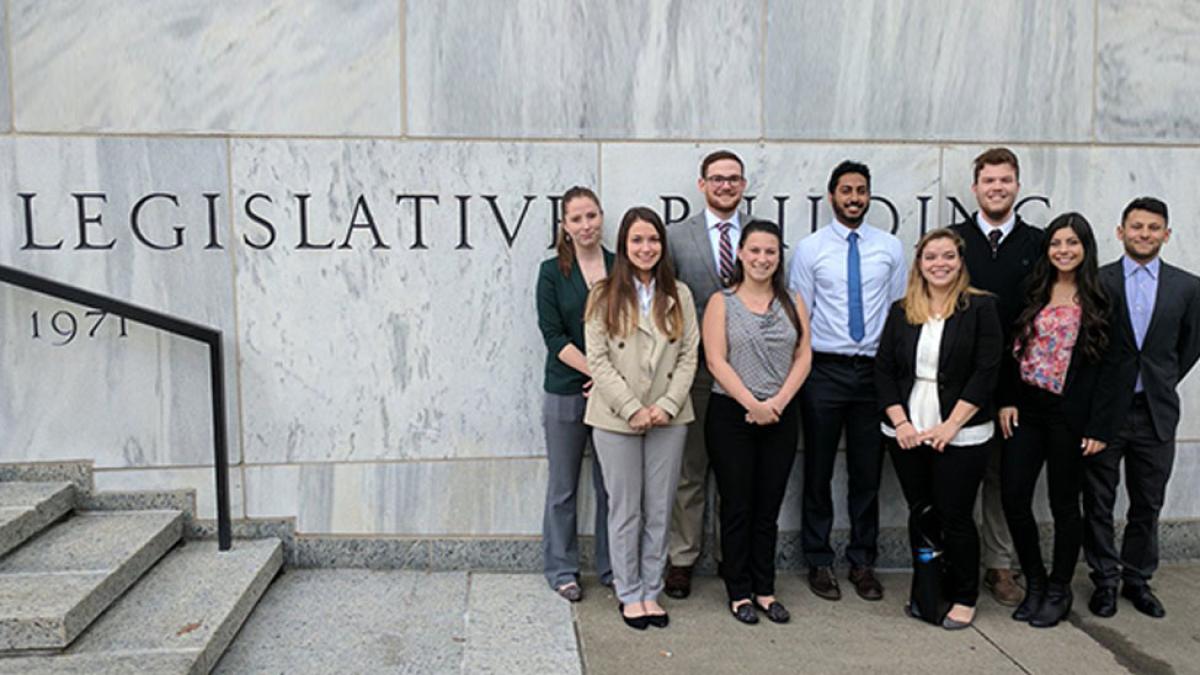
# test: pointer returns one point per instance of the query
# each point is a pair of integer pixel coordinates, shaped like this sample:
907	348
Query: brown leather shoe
678	583
823	583
865	583
1002	584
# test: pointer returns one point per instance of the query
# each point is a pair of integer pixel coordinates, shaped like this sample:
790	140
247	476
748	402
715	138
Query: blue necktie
854	288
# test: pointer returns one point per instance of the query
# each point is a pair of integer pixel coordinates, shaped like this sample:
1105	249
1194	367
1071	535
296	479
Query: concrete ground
359	621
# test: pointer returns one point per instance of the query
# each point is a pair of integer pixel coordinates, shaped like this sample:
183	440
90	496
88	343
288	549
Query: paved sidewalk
857	636
361	621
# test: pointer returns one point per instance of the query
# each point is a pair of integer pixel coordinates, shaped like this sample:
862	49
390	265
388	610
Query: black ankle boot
1035	594
1055	608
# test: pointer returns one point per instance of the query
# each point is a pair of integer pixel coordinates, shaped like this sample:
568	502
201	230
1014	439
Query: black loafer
775	611
1104	601
1144	601
745	613
636	622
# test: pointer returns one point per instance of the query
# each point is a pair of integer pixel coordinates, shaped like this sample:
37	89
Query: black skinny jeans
948	480
1043	437
752	463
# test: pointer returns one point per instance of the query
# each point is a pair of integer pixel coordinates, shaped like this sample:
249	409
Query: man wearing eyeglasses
703	249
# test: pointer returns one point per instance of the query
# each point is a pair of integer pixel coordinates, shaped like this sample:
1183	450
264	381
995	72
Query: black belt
843	359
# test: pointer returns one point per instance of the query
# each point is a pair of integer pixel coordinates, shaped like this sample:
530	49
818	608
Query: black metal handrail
171	324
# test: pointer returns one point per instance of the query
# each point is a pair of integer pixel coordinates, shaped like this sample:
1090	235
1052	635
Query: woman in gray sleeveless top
756	344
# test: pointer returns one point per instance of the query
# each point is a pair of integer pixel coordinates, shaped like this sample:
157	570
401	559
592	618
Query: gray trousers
641	472
687	518
566	438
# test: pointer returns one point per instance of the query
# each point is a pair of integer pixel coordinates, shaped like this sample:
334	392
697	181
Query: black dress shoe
745	613
1035	594
1144	600
1104	601
823	583
865	583
1055	608
775	611
678	582
635	622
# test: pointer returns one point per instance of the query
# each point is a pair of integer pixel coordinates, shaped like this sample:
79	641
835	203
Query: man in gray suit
703	249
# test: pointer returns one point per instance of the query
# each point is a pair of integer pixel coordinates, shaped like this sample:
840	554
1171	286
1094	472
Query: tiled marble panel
5	103
428	348
199	479
940	69
1099	182
135	401
272	66
1146	68
446	498
584	69
664	176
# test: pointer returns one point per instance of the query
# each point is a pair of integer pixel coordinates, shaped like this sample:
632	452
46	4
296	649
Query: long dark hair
616	296
563	245
1093	301
778	279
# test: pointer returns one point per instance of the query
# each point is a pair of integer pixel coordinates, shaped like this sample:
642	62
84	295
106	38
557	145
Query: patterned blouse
1048	354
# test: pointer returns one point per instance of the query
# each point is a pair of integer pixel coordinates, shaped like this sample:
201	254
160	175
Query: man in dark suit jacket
1158	310
703	249
1000	252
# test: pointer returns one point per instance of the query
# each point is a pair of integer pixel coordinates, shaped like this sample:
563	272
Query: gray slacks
566	438
641	472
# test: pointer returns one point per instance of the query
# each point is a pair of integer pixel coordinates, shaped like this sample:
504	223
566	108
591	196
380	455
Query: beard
847	220
1140	257
997	216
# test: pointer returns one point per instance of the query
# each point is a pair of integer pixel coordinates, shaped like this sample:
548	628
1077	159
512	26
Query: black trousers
752	464
1042	437
840	395
949	480
1148	463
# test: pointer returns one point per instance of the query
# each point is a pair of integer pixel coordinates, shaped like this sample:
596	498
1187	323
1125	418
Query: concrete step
29	508
179	618
55	585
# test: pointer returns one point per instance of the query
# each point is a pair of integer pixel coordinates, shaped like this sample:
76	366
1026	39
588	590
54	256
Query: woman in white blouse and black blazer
935	373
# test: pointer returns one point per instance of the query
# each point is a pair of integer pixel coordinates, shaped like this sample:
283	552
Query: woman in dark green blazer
562	291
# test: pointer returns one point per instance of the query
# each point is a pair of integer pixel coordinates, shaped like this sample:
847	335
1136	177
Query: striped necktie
725	253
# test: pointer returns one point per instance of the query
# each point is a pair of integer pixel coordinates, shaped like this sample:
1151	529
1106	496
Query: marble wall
357	194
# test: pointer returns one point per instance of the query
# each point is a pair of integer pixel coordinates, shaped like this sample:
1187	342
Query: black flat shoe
635	622
658	620
745	613
775	611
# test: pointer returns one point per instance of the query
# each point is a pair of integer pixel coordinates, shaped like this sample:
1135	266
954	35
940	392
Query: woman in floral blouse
1055	408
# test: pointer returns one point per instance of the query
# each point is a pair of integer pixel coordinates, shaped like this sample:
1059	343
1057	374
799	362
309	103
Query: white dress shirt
714	235
1005	228
819	275
645	293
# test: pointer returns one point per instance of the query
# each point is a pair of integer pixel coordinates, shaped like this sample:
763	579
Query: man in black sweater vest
1001	250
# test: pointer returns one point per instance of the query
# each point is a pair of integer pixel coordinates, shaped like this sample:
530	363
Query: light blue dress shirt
819	275
1141	291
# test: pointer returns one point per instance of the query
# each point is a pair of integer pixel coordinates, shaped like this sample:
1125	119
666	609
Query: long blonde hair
917	306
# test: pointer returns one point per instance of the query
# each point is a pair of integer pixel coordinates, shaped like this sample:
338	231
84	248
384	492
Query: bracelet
900	424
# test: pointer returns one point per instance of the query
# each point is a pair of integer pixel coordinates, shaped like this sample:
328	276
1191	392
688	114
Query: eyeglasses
725	180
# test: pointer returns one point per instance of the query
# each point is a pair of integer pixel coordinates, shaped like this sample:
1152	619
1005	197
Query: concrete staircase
113	591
